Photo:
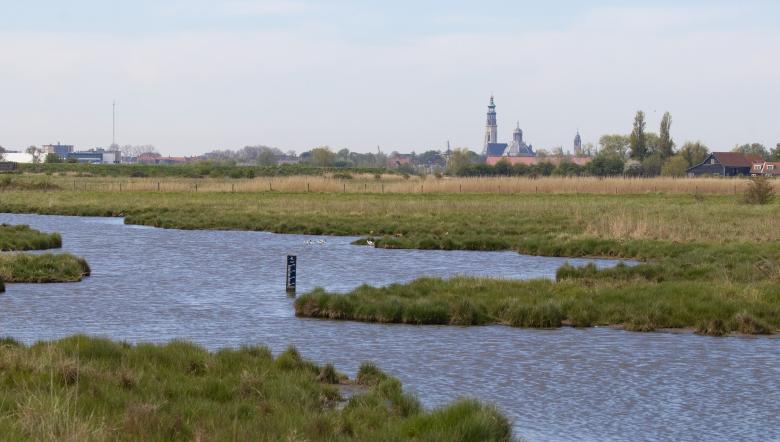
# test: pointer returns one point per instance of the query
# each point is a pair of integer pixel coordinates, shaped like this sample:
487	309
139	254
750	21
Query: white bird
321	242
370	243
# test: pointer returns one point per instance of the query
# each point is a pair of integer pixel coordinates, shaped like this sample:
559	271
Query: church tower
578	145
491	127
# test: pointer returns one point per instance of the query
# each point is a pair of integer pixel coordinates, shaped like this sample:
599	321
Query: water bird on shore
370	243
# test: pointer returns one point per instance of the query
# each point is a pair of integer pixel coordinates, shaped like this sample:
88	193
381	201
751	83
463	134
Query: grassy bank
564	225
21	267
93	389
25	238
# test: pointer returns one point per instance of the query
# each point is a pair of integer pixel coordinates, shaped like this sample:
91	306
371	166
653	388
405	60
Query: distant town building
765	168
578	145
96	156
396	160
530	161
7	166
148	158
493	148
58	149
286	159
18	157
725	164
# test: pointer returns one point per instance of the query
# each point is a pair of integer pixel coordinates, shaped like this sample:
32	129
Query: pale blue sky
192	76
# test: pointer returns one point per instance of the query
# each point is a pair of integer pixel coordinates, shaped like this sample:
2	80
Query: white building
18	157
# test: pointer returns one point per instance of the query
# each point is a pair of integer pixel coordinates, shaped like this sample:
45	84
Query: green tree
638	142
605	164
752	149
52	158
675	166
652	164
266	158
36	154
460	160
666	144
322	156
652	141
503	167
694	152
774	154
615	145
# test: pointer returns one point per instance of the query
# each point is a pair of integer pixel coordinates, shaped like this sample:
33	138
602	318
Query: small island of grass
715	290
85	389
21	237
45	268
28	268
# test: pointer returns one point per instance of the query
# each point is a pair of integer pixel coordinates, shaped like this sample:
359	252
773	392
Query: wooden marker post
292	263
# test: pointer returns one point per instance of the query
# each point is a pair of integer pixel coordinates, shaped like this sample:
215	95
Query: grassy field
85	389
363	183
25	238
710	261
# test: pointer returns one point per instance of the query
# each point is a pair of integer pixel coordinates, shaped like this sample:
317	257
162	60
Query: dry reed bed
398	184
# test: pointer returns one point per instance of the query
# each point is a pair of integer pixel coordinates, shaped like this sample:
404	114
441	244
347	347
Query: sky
193	76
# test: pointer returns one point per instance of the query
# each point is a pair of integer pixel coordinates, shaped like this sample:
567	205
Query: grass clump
46	268
21	237
84	389
759	191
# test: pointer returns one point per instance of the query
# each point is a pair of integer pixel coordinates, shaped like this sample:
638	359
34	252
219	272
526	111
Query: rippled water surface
227	288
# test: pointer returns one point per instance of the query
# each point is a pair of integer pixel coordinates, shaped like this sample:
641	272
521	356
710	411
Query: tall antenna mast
113	124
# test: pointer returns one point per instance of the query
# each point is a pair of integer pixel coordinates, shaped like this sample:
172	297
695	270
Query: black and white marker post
292	263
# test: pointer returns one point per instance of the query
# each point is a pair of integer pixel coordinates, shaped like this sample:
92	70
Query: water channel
226	288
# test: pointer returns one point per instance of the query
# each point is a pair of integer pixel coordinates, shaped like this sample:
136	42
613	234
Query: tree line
640	153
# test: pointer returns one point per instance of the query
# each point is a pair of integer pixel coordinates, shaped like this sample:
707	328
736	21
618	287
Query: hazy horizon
191	76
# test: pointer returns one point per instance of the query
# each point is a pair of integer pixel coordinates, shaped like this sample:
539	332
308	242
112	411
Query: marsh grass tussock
21	237
90	389
44	268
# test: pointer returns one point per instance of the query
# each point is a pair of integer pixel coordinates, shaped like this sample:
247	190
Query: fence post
196	187
158	186
383	187
232	188
308	189
345	187
461	188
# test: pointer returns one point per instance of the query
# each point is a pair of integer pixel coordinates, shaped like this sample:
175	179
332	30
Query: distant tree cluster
255	155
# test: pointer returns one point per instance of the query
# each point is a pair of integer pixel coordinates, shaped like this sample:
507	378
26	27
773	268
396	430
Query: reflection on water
227	288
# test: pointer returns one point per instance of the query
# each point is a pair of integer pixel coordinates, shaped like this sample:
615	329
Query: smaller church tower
517	136
578	145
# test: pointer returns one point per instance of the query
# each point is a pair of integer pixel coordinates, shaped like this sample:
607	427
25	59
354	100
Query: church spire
491	126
